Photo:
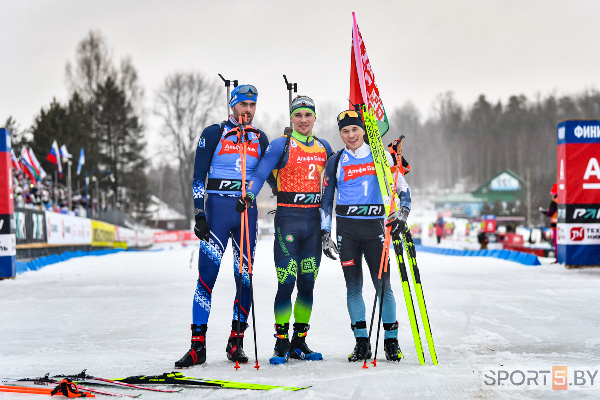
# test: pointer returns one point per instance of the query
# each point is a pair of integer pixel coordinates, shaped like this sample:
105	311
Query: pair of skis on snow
44	385
387	185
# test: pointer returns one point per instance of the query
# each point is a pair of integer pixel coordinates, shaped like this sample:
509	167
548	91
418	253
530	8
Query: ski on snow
177	378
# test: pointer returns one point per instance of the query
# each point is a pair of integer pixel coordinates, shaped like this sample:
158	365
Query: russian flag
54	157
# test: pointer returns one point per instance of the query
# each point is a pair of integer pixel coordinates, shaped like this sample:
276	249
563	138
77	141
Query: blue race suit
218	158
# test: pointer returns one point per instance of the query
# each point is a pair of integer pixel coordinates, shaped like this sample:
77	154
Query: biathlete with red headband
297	160
218	158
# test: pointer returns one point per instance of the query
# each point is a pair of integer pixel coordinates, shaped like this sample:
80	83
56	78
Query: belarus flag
54	157
363	89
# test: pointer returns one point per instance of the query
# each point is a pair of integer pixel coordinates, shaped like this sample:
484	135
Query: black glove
328	245
274	190
243	202
397	220
201	230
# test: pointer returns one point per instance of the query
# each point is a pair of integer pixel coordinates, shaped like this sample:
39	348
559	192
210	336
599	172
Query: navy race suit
297	247
360	229
218	159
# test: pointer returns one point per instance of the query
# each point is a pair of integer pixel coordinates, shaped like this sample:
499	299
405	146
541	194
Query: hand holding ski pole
397	221
243	202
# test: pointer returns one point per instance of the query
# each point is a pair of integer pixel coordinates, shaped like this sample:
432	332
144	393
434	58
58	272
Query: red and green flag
363	89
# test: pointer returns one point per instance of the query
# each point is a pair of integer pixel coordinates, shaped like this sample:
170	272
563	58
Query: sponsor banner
30	226
578	132
103	234
126	235
67	229
173	236
8	245
578	173
588	234
579	213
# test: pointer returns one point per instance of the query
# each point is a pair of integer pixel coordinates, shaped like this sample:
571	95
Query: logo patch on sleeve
348	263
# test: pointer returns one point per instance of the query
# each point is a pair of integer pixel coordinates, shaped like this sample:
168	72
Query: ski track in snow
129	314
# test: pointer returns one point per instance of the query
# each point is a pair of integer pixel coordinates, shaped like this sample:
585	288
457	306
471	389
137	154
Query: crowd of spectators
45	195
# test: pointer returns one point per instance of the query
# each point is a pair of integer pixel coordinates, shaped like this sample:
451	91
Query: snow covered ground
129	314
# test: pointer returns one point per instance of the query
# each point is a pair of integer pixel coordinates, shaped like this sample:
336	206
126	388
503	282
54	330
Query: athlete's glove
201	229
243	202
328	245
541	209
397	220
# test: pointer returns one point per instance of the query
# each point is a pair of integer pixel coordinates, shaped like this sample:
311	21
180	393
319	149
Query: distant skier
352	173
217	156
299	159
552	212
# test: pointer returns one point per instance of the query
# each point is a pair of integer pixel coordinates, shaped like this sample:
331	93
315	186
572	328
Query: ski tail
410	308
412	262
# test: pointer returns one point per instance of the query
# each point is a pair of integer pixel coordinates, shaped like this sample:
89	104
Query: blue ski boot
299	349
282	345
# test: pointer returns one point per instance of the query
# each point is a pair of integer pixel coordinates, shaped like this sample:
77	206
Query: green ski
411	255
177	378
386	185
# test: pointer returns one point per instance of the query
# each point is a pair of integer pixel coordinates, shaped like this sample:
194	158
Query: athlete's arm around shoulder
267	164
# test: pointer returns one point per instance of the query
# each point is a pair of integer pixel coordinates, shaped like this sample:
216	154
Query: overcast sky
418	49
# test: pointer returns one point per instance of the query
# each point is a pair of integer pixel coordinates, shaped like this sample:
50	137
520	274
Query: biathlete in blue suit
360	218
297	160
218	159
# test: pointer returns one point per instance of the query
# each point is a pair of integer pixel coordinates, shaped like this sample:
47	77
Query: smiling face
246	110
303	121
352	136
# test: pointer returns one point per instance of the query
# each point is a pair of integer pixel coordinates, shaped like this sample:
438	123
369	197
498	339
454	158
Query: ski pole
383	267
245	141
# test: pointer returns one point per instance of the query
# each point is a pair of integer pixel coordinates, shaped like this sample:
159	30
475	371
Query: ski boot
197	352
298	348
392	350
390	344
235	353
282	345
362	350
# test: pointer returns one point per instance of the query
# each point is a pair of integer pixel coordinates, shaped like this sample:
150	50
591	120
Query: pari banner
578	179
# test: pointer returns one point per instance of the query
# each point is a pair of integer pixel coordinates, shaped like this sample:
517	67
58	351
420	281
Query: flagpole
69	190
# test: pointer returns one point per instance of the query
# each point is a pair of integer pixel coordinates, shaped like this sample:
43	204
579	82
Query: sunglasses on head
303	101
348	113
245	89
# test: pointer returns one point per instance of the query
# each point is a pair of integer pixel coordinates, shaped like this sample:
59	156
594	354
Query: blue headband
243	93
